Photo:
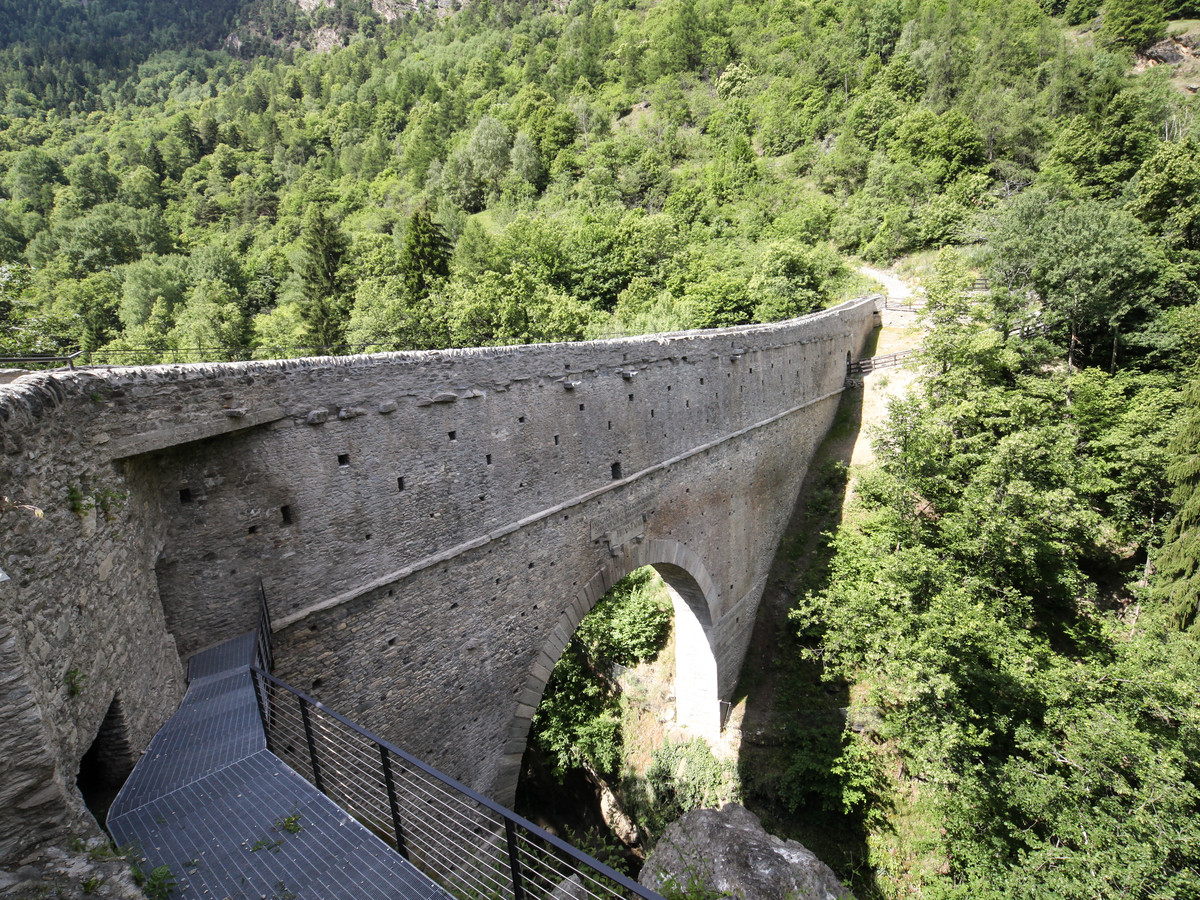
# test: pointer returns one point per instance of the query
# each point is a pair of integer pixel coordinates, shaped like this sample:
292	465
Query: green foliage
425	255
1132	23
832	771
792	280
289	823
577	722
1090	269
978	594
633	168
1178	560
157	884
74	681
316	287
681	777
1167	194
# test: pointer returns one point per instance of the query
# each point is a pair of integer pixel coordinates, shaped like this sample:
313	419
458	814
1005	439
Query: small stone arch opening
107	762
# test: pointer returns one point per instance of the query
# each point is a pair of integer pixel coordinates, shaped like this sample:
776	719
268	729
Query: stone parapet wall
80	619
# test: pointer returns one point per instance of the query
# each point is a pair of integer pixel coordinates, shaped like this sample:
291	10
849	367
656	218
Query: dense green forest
1015	588
511	173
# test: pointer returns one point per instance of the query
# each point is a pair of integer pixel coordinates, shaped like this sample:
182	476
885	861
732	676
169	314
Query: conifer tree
425	259
1132	23
322	301
1179	558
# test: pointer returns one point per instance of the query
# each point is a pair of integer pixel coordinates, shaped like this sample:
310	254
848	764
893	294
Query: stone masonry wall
423	523
80	620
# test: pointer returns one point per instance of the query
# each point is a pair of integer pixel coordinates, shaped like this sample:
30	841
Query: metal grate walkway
231	820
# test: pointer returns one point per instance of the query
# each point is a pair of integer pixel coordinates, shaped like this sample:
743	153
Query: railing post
514	860
264	629
392	802
259	688
312	745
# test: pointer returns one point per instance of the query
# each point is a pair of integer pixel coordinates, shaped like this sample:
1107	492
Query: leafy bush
630	624
681	777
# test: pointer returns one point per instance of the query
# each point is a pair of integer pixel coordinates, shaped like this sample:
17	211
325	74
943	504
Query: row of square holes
185	494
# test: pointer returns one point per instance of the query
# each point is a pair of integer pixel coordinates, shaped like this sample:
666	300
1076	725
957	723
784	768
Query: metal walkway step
231	820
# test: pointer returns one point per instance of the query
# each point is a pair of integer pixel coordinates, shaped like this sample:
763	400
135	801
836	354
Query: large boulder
728	851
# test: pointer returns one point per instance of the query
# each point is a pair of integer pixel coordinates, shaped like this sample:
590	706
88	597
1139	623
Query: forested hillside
512	173
1017	590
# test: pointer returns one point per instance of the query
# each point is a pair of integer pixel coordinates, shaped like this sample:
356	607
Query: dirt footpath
900	332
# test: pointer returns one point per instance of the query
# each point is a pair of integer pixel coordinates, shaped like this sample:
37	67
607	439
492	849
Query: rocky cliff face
388	9
728	851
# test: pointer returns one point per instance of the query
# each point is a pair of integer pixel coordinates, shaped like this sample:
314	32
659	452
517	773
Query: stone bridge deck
231	820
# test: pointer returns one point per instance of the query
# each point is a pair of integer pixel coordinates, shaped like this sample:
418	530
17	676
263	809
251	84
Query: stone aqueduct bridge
430	528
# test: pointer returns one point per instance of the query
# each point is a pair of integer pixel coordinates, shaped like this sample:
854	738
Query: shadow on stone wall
793	722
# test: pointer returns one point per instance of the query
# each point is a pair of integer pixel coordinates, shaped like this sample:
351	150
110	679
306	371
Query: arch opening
107	763
697	704
693	598
633	692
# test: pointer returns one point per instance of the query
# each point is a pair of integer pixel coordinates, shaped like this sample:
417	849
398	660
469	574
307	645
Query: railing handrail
870	363
508	815
69	359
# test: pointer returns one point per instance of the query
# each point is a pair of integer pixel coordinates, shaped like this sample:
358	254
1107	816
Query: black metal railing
469	845
871	363
25	362
264	655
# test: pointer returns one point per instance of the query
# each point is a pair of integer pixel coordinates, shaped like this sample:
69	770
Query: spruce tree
322	299
1178	560
425	259
1132	23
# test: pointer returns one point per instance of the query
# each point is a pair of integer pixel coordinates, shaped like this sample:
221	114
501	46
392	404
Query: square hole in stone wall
453	435
344	460
185	495
489	459
285	513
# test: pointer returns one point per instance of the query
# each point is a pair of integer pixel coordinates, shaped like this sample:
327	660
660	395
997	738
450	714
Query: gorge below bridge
429	527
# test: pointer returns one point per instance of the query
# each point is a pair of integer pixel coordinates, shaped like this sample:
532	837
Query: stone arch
695	600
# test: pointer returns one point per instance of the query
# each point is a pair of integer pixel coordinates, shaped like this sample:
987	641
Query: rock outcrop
728	851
